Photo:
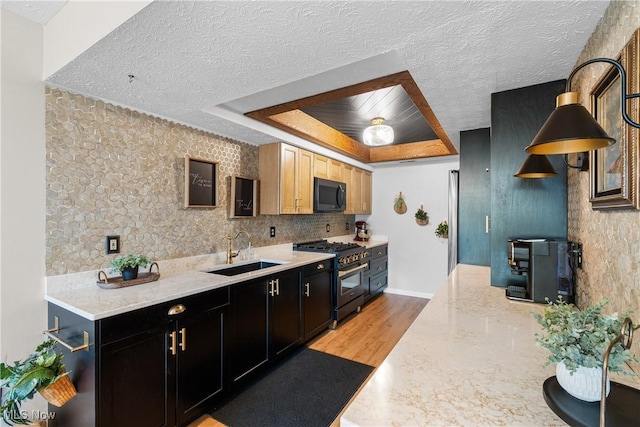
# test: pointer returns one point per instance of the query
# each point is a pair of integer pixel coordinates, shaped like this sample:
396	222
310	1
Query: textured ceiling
205	63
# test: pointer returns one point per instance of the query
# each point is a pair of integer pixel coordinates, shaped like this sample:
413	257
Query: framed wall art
613	174
242	203
200	183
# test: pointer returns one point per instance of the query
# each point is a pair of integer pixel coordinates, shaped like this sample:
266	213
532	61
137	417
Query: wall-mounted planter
399	205
422	218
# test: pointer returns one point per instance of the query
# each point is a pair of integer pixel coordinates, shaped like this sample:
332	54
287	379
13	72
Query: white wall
22	188
417	258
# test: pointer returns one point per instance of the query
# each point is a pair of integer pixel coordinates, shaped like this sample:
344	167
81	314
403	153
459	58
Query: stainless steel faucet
230	253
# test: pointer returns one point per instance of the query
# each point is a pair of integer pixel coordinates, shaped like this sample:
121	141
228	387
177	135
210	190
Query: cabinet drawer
317	267
378	283
378	266
149	318
379	251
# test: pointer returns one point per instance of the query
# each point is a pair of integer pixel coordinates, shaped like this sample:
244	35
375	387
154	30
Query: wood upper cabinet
327	168
366	198
286	180
358	190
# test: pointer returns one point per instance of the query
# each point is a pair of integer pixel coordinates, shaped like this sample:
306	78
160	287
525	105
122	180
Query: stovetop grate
325	246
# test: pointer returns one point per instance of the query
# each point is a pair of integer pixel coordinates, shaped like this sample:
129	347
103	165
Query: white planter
585	383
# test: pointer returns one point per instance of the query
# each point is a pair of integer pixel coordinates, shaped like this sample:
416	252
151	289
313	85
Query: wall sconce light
572	129
378	133
536	166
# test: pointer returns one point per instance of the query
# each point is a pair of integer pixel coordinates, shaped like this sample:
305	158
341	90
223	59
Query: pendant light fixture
378	133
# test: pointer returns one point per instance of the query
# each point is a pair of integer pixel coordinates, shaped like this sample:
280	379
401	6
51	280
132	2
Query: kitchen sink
244	268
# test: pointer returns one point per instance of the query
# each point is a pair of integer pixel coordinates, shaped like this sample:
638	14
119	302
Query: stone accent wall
611	238
115	171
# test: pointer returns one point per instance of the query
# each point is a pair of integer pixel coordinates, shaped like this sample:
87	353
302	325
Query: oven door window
350	282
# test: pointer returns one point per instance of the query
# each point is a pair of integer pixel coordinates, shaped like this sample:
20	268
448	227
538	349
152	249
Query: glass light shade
378	133
536	166
569	129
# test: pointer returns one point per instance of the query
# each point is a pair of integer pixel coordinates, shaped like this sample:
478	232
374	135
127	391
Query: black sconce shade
569	129
536	166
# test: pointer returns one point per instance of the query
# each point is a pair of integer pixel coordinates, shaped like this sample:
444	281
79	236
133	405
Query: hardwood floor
369	336
366	337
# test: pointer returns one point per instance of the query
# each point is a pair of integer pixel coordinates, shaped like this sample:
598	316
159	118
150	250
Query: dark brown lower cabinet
265	323
317	282
158	366
167	364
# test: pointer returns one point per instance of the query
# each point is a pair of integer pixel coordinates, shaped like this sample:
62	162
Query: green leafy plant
580	337
442	230
398	201
24	378
129	261
422	215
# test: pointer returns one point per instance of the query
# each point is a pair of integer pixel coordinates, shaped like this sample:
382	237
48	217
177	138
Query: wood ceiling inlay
336	120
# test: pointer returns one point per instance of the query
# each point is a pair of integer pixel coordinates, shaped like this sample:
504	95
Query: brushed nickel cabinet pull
172	347
271	287
319	266
306	289
486	224
177	309
277	286
183	339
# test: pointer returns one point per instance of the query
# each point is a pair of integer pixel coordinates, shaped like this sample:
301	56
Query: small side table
622	406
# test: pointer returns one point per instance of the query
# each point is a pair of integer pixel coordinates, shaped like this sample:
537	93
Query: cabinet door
347	172
249	334
366	192
199	360
286	322
356	190
305	182
316	302
474	241
335	170
288	179
321	166
134	387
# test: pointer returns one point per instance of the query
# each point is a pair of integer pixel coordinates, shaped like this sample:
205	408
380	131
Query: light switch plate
112	244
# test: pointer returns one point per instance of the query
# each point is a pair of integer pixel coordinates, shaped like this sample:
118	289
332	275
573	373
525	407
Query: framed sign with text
200	183
242	203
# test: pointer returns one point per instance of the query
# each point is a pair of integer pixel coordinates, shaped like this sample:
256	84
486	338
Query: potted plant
421	216
577	340
128	265
42	371
442	230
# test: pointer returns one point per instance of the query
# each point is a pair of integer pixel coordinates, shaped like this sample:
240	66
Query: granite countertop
80	294
468	359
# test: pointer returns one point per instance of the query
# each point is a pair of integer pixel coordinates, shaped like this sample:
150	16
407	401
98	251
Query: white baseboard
409	293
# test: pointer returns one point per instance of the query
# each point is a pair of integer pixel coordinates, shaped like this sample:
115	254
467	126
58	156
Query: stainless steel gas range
350	265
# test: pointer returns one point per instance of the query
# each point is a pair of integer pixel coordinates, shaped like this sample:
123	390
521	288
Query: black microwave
329	196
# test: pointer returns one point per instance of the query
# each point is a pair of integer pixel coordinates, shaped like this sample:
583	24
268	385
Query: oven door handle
353	270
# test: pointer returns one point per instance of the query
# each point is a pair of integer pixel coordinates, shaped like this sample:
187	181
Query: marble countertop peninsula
79	293
469	359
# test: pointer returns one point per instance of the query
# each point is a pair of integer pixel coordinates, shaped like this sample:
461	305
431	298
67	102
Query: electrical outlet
112	244
272	232
346	226
328	228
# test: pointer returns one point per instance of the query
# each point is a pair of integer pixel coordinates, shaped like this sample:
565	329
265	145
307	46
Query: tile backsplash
116	171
